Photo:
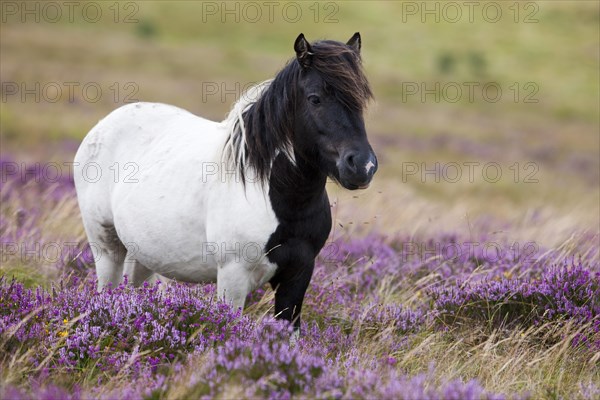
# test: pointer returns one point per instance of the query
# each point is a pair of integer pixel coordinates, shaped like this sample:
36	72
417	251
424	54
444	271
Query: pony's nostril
350	161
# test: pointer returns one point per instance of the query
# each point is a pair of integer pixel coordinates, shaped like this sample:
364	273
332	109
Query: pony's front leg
290	286
233	284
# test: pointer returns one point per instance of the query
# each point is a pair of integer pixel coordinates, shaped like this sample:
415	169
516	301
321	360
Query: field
469	269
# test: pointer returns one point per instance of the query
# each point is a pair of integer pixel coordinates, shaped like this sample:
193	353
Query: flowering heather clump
359	266
266	365
349	274
565	292
397	317
74	326
368	384
137	330
77	259
47	392
40	231
41	180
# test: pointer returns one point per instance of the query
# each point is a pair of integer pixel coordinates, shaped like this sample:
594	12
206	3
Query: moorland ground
484	130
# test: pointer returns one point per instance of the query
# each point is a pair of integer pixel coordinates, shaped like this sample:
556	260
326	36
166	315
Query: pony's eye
314	99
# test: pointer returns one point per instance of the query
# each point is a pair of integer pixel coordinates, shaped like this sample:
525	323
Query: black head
312	111
332	92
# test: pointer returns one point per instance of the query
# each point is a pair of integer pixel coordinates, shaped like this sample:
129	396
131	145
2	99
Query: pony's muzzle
356	169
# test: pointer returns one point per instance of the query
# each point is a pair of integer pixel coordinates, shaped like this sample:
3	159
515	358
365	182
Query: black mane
269	121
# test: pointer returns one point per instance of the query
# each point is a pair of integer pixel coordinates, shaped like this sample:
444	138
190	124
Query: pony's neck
298	182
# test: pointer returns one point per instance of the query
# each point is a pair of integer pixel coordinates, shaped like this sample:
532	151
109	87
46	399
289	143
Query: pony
241	202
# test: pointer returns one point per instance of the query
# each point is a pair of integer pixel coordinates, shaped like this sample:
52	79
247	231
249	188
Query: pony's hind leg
137	273
109	255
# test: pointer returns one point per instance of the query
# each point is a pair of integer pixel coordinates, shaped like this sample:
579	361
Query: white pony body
170	199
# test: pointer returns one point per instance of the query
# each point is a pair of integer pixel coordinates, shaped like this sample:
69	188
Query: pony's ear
303	51
355	42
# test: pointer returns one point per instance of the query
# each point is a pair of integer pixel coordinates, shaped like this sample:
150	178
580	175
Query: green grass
25	274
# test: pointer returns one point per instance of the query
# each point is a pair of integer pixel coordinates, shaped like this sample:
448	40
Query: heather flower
115	325
568	292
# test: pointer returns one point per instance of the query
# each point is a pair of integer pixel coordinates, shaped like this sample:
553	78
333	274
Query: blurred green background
543	56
